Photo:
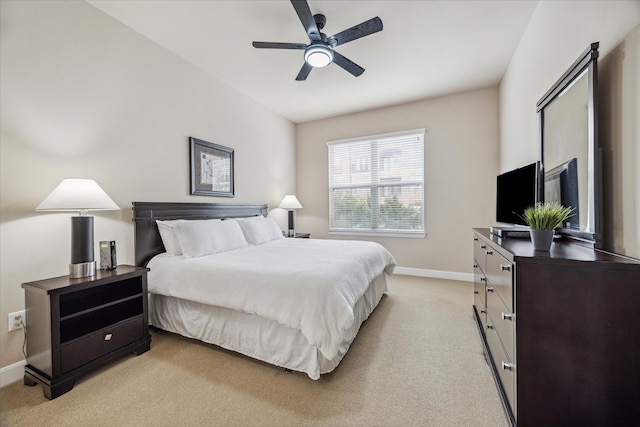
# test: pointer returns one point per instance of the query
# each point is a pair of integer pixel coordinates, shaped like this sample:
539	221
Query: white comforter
307	284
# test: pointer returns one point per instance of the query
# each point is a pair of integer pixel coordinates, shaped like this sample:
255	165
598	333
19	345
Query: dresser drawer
500	277
479	253
90	347
479	297
503	322
479	288
482	313
504	366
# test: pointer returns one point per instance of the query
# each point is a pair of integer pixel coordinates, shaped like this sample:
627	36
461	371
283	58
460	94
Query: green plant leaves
546	216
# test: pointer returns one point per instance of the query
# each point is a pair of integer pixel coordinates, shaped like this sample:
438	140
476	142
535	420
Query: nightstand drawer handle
489	289
489	252
107	337
505	267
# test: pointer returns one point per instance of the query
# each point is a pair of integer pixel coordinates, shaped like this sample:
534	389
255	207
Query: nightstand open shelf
77	325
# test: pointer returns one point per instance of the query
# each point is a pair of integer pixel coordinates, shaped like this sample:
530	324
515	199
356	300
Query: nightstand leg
51	391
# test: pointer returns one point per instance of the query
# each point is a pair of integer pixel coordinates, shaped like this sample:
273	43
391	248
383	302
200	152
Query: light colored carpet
417	361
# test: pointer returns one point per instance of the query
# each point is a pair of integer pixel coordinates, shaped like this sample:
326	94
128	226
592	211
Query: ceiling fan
320	51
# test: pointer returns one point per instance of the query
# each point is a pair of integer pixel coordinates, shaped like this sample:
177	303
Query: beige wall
461	163
619	98
84	96
558	33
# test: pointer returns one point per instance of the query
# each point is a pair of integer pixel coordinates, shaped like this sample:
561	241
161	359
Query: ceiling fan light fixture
318	55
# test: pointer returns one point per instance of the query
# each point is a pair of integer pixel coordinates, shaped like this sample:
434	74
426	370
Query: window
376	184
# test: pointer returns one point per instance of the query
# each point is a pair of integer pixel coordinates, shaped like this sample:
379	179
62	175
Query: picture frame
211	169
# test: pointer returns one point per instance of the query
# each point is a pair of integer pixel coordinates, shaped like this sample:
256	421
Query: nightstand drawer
88	348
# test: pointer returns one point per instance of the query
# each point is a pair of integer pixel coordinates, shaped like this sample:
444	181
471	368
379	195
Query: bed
294	303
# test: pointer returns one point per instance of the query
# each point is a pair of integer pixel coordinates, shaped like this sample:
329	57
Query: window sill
410	235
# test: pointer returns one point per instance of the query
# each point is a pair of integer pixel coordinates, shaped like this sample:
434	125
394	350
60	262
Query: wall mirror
569	153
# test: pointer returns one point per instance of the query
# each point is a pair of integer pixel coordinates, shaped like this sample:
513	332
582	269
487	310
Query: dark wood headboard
147	237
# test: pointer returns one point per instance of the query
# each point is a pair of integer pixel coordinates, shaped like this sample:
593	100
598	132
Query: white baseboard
436	274
12	373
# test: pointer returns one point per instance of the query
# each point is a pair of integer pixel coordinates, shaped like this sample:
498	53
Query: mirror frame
592	231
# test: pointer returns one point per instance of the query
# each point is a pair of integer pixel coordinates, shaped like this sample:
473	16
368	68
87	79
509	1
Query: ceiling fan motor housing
320	19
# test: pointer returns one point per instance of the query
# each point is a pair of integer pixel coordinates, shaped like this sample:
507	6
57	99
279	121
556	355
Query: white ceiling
426	49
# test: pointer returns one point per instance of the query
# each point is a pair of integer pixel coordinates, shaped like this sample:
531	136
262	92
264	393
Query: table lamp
291	203
81	195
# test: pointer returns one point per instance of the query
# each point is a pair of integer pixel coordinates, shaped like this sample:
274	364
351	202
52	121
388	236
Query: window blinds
376	183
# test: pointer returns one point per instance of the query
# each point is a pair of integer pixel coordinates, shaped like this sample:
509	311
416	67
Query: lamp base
292	228
83	269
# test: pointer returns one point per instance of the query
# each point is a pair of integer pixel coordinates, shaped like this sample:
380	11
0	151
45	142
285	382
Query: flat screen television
516	191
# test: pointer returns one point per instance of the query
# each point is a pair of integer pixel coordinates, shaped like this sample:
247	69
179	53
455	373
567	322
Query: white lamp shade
77	195
290	202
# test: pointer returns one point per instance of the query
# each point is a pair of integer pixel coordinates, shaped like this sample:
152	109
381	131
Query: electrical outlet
16	318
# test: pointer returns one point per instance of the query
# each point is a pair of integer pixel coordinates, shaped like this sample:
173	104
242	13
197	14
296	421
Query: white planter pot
542	239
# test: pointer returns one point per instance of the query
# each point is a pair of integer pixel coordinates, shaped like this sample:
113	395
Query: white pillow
247	225
169	236
276	232
211	236
258	230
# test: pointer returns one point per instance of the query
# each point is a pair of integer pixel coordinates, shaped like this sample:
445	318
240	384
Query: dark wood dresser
77	325
560	331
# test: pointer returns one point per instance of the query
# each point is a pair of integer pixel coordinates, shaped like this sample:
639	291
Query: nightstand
75	326
302	235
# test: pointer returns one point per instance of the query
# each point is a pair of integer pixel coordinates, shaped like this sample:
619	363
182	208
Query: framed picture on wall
211	169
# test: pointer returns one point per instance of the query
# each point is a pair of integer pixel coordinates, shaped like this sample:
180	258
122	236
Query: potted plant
543	219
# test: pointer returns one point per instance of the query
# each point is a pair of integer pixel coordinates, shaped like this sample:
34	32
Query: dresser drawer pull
489	289
475	265
507	366
107	337
483	310
483	246
507	316
505	267
489	326
475	239
476	292
489	252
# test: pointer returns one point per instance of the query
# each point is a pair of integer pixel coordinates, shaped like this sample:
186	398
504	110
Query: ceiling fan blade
270	45
304	72
304	13
347	64
371	26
